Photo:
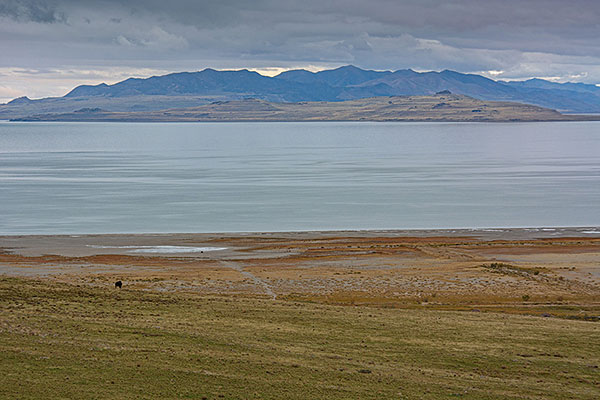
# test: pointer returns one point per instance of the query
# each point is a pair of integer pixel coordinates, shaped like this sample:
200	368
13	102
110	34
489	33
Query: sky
47	47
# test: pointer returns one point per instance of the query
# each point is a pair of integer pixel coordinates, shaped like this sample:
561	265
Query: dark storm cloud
505	39
31	10
284	28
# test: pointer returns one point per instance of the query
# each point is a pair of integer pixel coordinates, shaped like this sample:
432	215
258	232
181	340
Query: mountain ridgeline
192	89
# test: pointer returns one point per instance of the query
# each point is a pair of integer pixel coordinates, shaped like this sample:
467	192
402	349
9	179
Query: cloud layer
48	46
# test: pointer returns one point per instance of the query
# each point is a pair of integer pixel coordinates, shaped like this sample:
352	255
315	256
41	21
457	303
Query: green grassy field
63	341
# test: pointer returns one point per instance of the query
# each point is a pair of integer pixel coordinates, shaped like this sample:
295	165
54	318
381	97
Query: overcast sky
49	46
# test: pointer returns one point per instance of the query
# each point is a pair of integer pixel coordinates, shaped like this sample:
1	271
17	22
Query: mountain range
192	89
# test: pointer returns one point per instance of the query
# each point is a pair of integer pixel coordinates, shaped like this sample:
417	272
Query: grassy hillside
64	341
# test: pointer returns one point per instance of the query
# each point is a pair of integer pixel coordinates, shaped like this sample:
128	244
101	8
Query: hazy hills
441	107
190	89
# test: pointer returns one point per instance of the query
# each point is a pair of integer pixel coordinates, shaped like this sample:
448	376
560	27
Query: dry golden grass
63	341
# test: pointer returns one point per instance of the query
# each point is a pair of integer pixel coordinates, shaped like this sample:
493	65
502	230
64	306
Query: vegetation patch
59	340
509	269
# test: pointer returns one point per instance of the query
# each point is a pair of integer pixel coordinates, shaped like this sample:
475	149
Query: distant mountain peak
455	73
87	90
20	100
348	67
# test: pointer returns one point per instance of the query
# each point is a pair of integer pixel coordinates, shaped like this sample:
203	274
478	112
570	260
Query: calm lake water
125	177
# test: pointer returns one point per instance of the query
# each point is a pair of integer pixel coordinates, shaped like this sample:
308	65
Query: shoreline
564	118
510	232
584	118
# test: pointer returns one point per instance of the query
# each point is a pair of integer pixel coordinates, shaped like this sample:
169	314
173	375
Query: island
441	107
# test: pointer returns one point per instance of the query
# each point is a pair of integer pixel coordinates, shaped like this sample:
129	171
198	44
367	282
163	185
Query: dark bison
118	284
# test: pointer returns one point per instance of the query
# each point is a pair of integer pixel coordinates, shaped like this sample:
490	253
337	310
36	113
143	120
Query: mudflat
525	268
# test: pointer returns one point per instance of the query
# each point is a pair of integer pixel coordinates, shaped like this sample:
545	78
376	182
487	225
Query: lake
228	177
